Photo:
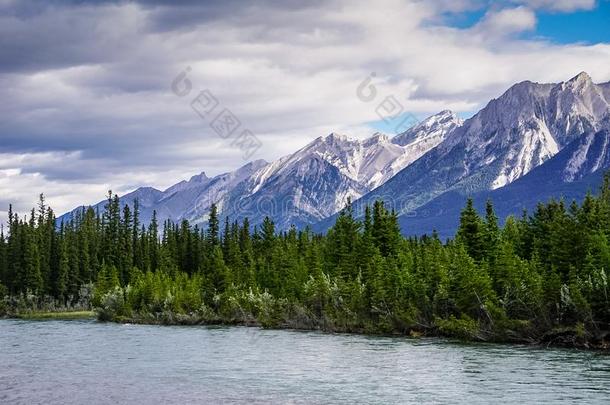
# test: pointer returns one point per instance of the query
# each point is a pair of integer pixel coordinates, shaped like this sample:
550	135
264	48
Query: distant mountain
317	181
525	127
304	187
533	142
431	131
189	200
574	171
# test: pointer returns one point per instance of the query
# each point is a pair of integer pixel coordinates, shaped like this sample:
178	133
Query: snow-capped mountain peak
527	126
199	178
377	137
434	127
334	137
580	80
522	129
321	176
374	160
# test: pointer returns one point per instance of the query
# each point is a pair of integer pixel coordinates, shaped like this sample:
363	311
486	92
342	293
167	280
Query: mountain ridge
522	129
511	135
442	213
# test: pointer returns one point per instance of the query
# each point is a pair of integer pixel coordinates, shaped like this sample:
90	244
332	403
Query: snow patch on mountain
537	146
430	130
369	162
528	125
590	155
525	127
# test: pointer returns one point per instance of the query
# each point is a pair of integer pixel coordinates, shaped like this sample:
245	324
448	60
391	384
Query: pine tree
45	234
366	248
108	279
61	280
32	278
14	253
136	237
470	232
342	241
247	254
213	227
491	234
219	275
153	242
470	284
268	234
226	238
3	258
385	230
125	251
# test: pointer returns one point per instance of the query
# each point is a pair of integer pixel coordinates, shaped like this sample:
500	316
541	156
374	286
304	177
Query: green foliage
538	273
107	280
463	328
3	293
471	232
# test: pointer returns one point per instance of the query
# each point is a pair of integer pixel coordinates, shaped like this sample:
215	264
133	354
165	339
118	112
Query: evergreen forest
540	277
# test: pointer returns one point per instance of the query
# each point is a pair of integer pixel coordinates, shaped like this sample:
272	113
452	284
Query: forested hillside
541	277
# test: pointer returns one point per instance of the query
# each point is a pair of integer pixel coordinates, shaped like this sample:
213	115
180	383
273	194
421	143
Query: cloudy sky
86	99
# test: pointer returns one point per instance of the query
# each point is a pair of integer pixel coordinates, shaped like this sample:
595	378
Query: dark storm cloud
37	36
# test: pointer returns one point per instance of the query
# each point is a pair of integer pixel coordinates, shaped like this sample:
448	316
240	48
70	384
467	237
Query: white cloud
24	176
559	5
507	21
88	112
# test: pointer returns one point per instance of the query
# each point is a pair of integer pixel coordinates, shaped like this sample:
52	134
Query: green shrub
463	328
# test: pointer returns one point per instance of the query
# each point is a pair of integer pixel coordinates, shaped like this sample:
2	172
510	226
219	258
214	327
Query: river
86	362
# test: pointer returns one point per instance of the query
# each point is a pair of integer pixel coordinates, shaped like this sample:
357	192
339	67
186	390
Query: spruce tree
491	233
3	258
213	227
470	232
342	241
136	237
153	242
31	278
61	280
14	253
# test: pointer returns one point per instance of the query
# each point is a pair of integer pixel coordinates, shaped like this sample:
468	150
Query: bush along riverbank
541	278
158	299
30	306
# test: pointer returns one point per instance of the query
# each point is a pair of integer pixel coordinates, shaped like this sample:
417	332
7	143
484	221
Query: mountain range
534	142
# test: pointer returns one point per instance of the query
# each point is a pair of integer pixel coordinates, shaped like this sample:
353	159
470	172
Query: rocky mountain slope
304	187
576	170
525	127
432	167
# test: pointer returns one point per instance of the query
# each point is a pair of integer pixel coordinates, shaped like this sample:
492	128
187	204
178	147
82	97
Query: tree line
538	273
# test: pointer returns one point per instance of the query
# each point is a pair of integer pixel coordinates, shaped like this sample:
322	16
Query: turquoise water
85	362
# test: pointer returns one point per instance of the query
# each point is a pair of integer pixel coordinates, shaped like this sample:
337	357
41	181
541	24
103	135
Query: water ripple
59	362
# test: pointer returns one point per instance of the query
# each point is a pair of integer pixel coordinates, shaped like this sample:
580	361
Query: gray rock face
523	129
304	187
576	170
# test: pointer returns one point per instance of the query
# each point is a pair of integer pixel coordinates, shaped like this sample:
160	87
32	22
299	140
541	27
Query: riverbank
41	307
60	315
49	311
562	337
565	337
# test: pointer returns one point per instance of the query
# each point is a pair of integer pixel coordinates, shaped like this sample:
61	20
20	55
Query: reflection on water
88	362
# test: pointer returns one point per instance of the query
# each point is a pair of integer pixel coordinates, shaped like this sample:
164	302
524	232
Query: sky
99	95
